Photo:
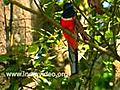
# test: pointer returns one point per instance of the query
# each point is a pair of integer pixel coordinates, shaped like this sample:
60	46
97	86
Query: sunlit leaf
45	80
50	41
118	19
108	34
51	57
60	2
110	0
33	49
98	38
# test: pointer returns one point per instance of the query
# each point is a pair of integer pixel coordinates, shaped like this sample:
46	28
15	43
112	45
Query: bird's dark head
68	10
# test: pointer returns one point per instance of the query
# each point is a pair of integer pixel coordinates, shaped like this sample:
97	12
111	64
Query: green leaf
77	2
12	68
6	2
110	0
118	19
50	9
37	63
97	88
60	2
98	38
26	81
14	85
33	49
105	75
4	58
108	34
21	48
44	1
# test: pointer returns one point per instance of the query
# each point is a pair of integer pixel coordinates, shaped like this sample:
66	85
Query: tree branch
91	69
111	49
44	15
101	49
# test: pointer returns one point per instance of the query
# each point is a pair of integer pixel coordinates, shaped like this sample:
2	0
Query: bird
69	21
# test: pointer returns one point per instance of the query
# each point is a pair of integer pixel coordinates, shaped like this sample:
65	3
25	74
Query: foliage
6	2
96	70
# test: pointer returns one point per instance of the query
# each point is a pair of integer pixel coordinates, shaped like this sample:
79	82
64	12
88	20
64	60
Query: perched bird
69	22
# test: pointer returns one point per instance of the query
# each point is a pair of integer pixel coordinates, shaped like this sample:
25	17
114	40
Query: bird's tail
73	56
